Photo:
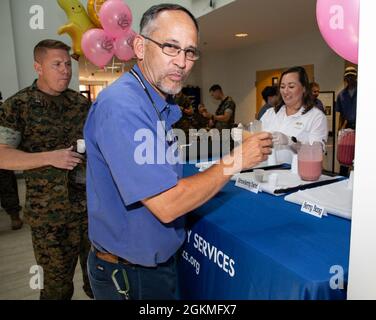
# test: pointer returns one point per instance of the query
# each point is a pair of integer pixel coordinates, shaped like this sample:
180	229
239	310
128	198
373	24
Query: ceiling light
241	35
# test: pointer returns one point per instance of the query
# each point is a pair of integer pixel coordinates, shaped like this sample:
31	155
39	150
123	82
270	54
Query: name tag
313	209
299	125
247	184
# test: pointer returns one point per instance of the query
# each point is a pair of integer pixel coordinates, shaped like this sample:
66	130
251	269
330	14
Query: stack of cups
237	133
294	164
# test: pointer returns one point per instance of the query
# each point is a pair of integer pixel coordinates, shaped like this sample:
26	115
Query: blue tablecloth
242	245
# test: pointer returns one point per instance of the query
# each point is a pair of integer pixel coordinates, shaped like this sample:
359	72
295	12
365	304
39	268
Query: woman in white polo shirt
295	120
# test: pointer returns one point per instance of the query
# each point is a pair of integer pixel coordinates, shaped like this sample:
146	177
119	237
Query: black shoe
17	223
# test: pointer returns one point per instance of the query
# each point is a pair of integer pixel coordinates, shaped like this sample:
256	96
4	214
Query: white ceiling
91	73
263	20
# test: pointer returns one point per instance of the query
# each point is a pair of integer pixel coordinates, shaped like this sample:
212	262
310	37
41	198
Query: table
242	245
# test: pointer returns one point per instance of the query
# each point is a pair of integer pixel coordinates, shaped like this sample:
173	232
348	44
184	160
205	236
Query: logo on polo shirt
299	125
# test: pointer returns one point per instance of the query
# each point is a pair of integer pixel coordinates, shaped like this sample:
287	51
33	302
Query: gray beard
169	91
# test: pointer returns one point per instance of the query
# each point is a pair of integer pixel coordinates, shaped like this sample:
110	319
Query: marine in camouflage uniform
189	119
55	208
226	105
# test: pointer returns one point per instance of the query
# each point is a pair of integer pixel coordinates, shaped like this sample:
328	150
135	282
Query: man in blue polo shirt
137	198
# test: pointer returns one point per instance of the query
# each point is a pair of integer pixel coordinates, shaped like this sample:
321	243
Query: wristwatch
293	139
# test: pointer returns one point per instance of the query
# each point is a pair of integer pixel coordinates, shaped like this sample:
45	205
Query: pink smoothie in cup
309	170
310	158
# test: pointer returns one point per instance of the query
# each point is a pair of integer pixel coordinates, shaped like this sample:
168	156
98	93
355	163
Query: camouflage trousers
9	192
57	249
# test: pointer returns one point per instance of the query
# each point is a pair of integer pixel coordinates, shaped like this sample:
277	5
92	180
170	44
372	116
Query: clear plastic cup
310	157
255	126
81	147
259	175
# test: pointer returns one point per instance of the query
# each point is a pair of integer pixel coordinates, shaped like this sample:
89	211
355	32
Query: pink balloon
98	47
124	46
338	21
115	17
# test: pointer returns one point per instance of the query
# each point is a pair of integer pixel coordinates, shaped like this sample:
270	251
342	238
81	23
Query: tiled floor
16	259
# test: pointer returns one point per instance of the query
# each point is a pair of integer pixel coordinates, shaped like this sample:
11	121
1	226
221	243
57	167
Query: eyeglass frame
179	49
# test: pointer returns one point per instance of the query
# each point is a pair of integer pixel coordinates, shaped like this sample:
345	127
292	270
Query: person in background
296	120
9	198
315	90
224	117
347	99
202	117
39	126
136	206
346	106
270	96
189	118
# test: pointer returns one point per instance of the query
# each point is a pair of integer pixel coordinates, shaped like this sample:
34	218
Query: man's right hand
64	158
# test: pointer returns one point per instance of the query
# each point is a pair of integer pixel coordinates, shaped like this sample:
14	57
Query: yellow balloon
78	23
93	8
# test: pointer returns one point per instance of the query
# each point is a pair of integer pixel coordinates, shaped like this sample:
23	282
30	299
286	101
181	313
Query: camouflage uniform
227	103
202	122
9	192
186	122
55	205
183	101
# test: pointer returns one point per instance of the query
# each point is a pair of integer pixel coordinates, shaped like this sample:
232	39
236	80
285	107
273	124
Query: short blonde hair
44	45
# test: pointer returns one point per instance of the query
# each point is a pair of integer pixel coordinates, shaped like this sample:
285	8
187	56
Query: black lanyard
168	137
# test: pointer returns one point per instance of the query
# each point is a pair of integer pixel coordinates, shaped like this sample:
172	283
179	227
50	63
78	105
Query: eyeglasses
173	50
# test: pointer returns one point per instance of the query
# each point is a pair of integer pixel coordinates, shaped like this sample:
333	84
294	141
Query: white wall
362	269
236	71
8	75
